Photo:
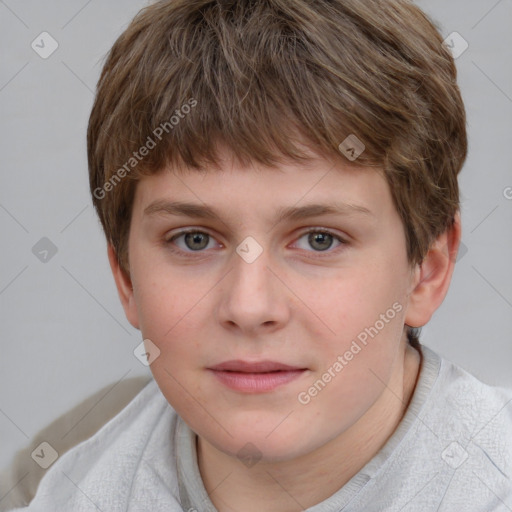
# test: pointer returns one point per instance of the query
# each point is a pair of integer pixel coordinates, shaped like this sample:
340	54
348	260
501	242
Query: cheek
364	312
172	310
155	306
355	364
355	300
163	297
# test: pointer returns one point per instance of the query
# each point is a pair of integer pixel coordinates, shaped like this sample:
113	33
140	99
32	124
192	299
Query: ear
432	277
124	288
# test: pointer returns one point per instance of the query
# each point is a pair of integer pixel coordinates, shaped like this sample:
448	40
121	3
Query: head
249	108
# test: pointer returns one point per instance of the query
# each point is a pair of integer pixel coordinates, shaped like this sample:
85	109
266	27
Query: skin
201	308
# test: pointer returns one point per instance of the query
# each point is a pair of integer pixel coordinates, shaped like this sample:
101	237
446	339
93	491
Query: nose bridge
251	276
251	296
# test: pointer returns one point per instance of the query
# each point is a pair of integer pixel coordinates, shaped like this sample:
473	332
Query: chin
267	445
251	451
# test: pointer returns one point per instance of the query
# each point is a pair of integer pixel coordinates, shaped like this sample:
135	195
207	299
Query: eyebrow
290	213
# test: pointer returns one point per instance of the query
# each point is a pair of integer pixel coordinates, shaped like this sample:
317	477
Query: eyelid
169	239
319	229
316	229
329	252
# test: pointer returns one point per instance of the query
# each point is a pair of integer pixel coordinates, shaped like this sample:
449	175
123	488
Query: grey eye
196	241
320	241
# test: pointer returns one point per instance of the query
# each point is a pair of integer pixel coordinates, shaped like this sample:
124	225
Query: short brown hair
257	76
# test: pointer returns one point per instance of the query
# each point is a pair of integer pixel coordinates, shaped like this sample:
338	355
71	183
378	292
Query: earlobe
124	288
431	278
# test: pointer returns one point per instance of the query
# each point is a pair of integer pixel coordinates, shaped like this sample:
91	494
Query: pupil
320	241
196	238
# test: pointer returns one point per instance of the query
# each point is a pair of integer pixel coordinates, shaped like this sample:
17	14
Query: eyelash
316	254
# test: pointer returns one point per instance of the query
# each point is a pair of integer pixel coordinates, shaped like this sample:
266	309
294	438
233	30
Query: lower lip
256	382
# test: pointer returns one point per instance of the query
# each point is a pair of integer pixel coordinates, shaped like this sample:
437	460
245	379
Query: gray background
64	334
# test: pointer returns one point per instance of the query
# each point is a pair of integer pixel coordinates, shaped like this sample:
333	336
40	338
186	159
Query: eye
194	241
320	240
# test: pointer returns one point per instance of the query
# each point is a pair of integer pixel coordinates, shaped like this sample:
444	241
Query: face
275	297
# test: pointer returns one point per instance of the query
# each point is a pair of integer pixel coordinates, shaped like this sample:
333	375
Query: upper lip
253	367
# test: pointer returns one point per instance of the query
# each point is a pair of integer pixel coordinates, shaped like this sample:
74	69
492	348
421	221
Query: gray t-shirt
452	451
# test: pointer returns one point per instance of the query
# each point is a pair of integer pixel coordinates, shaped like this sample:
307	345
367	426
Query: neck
310	479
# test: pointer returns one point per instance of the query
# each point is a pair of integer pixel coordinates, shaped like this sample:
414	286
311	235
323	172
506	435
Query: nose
253	298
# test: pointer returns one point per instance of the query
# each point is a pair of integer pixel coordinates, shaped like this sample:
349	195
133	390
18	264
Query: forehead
310	185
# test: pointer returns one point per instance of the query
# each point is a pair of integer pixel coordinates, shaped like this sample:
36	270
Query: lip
266	366
255	377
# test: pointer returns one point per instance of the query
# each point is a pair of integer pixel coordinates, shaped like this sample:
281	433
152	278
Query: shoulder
470	406
106	470
452	450
469	423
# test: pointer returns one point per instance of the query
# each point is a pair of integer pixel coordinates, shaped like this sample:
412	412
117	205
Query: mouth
255	377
